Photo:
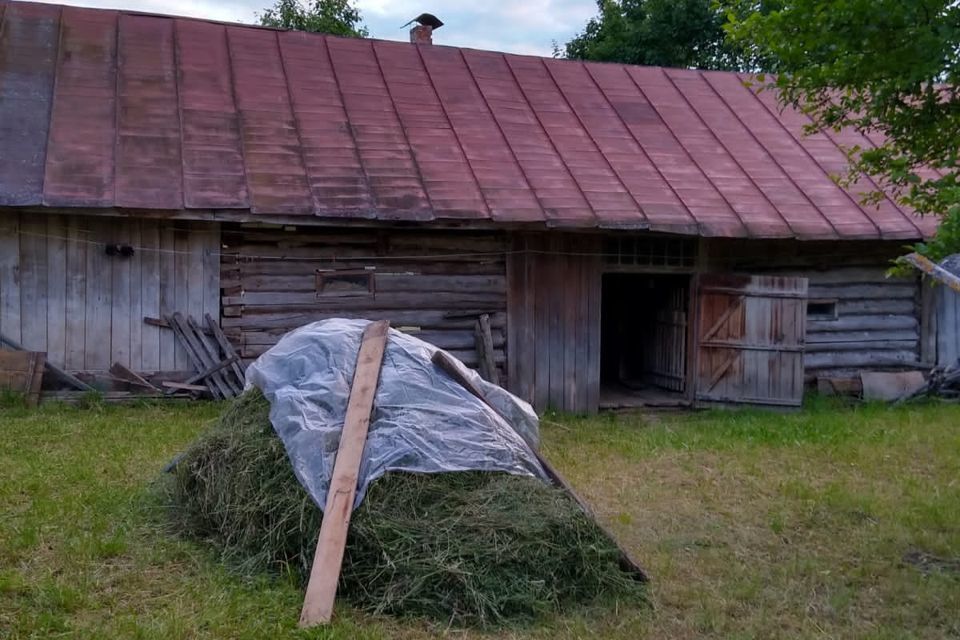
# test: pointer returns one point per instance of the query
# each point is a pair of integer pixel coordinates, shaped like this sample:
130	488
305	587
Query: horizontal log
863	323
446	242
358	254
866	345
384	283
842	275
828	337
863	291
853	359
297	267
403	300
425	319
878	306
301	235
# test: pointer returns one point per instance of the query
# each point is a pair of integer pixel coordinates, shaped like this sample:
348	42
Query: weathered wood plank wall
61	293
431	284
877	321
945	332
554	321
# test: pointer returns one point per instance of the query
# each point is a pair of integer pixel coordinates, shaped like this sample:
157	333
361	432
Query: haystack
469	548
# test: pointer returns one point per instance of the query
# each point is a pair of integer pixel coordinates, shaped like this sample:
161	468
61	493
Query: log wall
878	319
431	284
61	293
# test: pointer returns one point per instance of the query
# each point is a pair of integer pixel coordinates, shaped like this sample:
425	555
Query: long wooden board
325	573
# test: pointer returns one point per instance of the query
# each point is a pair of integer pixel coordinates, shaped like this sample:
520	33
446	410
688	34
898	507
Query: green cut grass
750	525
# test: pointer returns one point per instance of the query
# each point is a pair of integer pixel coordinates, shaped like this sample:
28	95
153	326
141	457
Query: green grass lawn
831	522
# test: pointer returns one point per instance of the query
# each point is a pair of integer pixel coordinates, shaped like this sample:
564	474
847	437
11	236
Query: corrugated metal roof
111	109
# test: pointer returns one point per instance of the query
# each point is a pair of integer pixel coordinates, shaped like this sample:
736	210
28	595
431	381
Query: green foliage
670	33
467	548
337	17
886	68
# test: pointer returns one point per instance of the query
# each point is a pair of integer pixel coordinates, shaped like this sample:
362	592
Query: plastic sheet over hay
470	548
422	421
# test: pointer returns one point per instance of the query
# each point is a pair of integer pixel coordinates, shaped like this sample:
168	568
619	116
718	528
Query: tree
338	17
670	33
887	68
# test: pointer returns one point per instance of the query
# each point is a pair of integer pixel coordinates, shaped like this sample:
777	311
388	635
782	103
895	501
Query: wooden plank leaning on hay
325	573
446	362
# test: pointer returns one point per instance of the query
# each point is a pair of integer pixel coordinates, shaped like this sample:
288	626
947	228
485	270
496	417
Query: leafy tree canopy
887	68
670	33
338	17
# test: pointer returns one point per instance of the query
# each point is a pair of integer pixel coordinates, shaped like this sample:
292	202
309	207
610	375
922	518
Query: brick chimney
421	34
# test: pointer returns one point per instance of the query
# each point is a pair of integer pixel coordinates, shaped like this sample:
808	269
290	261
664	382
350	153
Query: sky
516	26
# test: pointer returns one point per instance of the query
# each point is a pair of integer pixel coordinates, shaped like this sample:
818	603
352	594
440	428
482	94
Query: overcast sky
518	26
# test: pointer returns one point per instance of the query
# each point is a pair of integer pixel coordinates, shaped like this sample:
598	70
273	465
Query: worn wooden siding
944	333
554	321
430	284
60	293
878	318
750	338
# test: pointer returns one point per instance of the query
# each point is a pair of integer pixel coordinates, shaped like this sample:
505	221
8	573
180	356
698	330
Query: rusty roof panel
448	179
659	204
336	177
384	149
764	172
276	176
600	185
505	188
28	53
80	151
149	170
213	169
116	109
553	185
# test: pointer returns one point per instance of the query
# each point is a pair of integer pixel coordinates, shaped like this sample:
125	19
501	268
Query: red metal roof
109	109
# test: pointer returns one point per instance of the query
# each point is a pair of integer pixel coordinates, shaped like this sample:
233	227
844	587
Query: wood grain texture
269	284
10	277
325	572
750	338
76	294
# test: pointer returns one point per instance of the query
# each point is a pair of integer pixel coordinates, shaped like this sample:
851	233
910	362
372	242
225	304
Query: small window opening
354	282
822	309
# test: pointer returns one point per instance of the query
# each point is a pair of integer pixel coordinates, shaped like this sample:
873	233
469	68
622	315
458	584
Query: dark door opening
643	340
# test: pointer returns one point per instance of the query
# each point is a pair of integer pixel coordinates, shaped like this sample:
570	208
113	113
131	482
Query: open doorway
643	340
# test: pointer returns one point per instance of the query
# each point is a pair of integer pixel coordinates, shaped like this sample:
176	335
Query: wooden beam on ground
183	386
126	375
450	366
485	353
54	369
325	573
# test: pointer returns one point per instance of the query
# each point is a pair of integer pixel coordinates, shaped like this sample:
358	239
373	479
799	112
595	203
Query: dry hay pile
474	548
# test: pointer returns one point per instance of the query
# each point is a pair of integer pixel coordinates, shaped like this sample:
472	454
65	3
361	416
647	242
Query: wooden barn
633	234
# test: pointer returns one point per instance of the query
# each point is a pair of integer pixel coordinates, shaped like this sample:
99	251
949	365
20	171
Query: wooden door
664	350
750	333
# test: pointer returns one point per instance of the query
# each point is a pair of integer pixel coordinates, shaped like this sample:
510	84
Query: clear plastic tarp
422	420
